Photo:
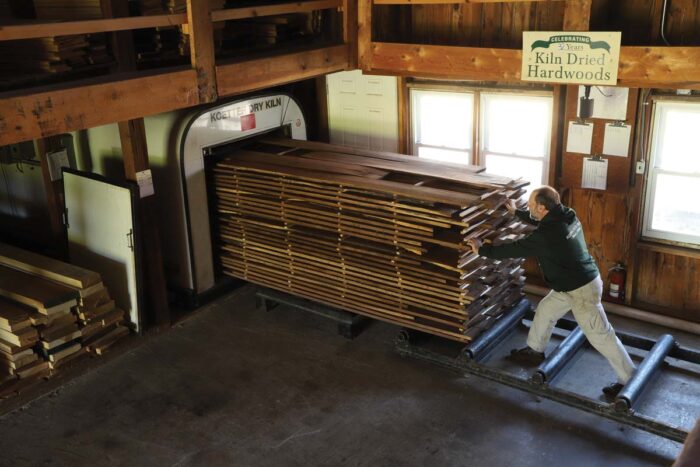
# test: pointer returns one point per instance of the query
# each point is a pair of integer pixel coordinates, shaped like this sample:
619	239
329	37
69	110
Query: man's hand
510	206
474	244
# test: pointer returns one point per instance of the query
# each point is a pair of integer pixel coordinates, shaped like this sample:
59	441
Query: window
513	130
515	135
442	125
672	211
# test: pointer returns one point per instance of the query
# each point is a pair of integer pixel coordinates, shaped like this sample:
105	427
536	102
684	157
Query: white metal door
363	110
100	227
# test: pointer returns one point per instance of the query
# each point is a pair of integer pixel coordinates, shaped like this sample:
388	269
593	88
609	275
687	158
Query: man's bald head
547	197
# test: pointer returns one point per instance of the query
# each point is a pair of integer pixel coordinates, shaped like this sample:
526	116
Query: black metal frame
349	324
621	410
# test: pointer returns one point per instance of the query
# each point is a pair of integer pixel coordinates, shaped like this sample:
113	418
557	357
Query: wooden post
364	34
202	48
577	15
350	24
54	195
132	134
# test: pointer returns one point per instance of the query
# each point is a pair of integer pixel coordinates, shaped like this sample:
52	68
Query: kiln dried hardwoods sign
571	57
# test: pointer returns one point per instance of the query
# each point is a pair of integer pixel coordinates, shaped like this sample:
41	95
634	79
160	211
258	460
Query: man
568	268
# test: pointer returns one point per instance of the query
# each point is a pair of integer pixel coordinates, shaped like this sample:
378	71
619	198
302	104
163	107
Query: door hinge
65	218
130	239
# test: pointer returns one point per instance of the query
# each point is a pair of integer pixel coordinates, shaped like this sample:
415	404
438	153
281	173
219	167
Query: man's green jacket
559	246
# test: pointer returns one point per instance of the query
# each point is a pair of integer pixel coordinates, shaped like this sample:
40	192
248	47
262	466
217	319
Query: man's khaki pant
585	305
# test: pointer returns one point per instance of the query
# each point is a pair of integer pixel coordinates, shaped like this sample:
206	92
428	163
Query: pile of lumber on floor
50	313
379	234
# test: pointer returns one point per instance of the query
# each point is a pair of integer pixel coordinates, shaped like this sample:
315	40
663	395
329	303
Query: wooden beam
122	42
132	134
643	67
270	10
252	75
577	15
202	48
364	34
37	30
60	110
54	193
444	2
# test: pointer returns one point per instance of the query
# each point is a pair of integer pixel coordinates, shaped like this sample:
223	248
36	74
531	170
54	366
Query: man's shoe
527	356
612	390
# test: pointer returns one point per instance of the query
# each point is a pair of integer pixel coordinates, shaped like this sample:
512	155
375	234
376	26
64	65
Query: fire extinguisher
616	278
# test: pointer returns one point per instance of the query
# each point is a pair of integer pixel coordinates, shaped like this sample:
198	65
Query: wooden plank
664	67
42	266
60	110
53	190
201	40
37	30
271	10
262	73
577	15
33	291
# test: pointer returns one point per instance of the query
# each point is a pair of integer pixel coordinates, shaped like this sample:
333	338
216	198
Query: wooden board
40	294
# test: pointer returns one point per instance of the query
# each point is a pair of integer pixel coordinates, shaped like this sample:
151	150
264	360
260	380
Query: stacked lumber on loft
73	10
51	55
268	30
50	313
379	234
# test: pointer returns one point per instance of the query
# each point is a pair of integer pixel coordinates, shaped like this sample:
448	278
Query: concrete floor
232	386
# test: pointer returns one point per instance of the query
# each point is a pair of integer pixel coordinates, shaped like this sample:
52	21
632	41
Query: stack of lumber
52	55
379	234
266	30
50	313
73	10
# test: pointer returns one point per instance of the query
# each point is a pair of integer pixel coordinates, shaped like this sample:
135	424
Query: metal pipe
634	313
645	371
564	352
663	23
480	346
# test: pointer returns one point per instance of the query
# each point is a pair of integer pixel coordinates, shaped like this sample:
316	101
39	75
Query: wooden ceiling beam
263	73
270	10
37	30
646	67
59	110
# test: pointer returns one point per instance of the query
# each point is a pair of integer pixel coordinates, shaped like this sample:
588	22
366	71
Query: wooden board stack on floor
379	234
50	313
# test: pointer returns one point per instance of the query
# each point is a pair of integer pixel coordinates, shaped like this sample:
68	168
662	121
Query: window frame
477	117
415	145
483	131
648	233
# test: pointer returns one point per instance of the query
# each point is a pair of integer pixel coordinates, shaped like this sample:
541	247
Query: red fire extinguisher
616	278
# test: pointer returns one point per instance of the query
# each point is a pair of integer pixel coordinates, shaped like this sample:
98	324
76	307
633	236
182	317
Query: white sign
145	182
57	160
571	57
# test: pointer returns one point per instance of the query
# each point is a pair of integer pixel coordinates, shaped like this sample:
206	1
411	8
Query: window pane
516	124
676	207
443	118
445	155
516	167
677	150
